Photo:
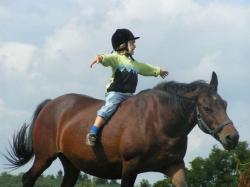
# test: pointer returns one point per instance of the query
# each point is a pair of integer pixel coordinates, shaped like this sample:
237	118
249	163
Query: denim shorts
112	102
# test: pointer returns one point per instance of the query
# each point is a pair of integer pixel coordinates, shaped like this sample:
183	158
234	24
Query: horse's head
212	117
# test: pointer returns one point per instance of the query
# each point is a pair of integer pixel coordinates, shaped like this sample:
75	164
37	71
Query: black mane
176	88
173	92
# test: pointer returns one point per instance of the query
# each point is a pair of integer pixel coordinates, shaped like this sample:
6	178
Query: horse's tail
21	150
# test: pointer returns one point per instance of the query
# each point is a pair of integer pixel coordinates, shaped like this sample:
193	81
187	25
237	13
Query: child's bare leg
99	121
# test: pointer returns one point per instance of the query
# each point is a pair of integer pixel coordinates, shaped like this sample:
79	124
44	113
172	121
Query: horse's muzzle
231	140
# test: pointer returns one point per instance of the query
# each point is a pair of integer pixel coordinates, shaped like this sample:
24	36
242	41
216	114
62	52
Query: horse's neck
192	98
184	117
191	120
189	112
184	103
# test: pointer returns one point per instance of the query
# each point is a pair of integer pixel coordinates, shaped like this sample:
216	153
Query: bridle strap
205	128
221	126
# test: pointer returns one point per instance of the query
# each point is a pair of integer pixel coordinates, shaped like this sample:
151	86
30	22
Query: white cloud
16	57
206	65
185	12
66	42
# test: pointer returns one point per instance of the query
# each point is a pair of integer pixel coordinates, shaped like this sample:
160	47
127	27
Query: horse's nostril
229	139
232	139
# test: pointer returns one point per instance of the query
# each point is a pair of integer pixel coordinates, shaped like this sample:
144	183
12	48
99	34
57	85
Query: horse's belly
96	164
101	169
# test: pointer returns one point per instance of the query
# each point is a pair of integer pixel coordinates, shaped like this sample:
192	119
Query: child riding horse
123	83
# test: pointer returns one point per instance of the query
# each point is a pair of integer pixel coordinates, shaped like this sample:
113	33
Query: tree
7	179
220	168
144	183
113	182
163	183
59	174
85	180
198	175
245	178
100	181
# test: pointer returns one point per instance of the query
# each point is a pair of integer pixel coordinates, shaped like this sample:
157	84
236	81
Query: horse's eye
207	109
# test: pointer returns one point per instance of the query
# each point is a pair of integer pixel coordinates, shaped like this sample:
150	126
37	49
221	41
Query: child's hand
163	73
96	61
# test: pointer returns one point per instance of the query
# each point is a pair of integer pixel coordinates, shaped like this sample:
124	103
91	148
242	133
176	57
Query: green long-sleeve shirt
125	72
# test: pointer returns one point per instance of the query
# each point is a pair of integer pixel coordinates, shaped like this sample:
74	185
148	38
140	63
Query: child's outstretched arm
163	73
98	59
149	70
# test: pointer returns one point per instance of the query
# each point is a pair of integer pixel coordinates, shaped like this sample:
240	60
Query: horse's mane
173	92
177	88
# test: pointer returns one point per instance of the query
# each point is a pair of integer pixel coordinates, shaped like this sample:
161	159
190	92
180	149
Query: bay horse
147	133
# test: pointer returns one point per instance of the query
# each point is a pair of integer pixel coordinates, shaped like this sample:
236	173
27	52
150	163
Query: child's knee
107	111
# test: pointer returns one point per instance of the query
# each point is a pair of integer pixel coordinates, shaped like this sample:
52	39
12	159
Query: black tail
21	149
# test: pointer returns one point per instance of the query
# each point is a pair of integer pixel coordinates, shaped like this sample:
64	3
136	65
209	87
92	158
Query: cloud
65	43
16	57
8	116
207	64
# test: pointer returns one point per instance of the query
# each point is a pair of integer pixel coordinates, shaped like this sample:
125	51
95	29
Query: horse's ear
214	81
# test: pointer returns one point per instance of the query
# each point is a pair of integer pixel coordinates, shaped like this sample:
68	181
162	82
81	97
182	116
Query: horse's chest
170	151
158	161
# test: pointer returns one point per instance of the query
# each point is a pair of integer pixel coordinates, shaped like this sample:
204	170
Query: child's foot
91	139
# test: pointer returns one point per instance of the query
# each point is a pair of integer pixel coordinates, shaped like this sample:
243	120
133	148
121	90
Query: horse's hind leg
71	173
40	164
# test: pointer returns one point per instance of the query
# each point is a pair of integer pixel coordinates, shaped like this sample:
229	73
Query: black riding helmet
121	36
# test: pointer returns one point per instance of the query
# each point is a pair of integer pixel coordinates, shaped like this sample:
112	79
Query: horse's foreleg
177	175
39	165
129	173
71	173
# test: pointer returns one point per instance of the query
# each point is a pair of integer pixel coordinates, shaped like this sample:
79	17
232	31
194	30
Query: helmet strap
131	57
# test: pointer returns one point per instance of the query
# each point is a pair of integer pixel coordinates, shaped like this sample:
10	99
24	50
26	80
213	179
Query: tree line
222	168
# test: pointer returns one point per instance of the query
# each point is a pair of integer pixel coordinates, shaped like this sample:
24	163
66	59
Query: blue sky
46	47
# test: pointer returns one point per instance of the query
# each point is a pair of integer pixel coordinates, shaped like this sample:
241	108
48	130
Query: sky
46	48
